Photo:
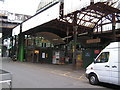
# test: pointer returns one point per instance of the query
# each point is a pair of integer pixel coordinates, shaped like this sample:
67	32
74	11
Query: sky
27	7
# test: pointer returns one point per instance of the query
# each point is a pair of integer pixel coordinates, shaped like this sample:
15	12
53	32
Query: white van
106	66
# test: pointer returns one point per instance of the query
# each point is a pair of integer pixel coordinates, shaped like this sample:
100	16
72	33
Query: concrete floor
36	75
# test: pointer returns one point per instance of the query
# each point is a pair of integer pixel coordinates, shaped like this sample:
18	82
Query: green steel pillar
21	45
21	48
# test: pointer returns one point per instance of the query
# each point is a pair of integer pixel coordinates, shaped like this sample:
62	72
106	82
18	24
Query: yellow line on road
66	74
81	76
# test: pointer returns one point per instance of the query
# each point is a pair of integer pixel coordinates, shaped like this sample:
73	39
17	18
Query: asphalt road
35	75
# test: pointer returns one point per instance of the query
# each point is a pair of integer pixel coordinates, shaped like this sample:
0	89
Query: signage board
93	41
42	18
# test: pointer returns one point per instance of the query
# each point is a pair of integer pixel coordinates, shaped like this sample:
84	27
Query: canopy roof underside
90	16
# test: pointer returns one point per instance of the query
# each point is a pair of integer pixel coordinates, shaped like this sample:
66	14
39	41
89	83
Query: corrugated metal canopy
91	15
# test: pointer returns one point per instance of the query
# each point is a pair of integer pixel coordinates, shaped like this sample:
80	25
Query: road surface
36	75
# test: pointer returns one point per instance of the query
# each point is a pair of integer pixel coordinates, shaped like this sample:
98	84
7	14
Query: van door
102	67
115	78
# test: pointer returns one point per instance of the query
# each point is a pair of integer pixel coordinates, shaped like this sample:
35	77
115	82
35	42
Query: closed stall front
58	57
45	55
88	56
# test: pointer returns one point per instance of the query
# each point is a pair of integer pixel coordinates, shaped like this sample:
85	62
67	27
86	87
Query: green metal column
21	37
21	48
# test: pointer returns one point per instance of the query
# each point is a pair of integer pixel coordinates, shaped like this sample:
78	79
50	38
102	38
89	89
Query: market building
62	33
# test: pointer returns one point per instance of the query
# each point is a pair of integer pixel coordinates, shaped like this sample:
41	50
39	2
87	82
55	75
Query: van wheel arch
93	79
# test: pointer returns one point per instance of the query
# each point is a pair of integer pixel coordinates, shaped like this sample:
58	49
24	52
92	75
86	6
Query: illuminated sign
96	51
36	51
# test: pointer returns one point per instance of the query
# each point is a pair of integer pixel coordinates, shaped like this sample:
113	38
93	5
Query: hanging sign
93	40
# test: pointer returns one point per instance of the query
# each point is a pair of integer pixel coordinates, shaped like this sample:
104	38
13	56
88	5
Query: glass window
48	44
40	44
104	57
44	44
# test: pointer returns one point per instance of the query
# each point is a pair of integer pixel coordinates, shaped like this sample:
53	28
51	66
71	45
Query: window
44	44
104	57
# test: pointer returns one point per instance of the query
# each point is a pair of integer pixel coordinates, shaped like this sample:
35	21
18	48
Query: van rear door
114	67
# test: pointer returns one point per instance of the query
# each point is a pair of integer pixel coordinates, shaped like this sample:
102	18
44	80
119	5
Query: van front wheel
93	79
